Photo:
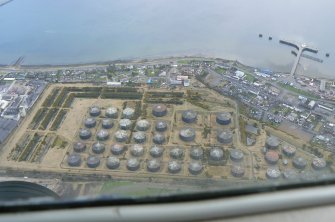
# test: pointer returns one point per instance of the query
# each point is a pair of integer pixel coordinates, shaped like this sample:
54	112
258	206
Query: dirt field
48	145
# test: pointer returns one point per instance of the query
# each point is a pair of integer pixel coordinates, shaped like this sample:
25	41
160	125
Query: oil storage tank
156	151
272	142
237	170
142	125
139	137
133	164
299	162
273	173
93	161
107	123
158	138
121	136
189	116
128	113
195	167
319	163
225	136
79	147
187	134
196	153
118	149
216	154
125	124
102	135
137	150
223	118
74	160
113	162
177	153
236	155
95	111
159	110
90	122
271	157
111	112
289	151
153	165
161	126
174	166
85	134
98	148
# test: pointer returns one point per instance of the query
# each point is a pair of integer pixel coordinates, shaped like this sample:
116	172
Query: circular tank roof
196	153
187	134
273	173
74	159
93	161
95	111
85	134
137	150
121	135
125	124
318	163
272	157
236	155
90	122
176	153
195	167
102	134
189	116
98	148
133	164
158	138
161	125
128	112
79	147
117	148
107	123
159	110
153	165
111	112
156	151
237	170
174	166
299	162
142	125
272	142
113	162
289	150
216	154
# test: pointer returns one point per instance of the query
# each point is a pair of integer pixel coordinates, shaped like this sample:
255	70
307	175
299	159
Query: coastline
137	60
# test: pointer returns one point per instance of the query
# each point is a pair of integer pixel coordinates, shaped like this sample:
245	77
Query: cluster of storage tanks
154	163
188	134
139	136
272	156
91	122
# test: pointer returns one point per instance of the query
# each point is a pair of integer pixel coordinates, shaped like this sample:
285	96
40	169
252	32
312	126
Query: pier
301	48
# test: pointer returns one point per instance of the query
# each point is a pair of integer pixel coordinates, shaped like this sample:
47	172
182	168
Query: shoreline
137	60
